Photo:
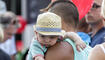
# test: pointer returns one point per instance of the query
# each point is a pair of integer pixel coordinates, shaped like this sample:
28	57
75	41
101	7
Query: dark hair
95	5
83	26
8	18
67	10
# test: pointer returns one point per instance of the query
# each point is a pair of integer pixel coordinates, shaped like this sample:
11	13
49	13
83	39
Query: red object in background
19	45
83	6
22	23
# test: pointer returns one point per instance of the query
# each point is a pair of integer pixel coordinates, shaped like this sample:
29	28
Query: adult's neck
97	27
69	28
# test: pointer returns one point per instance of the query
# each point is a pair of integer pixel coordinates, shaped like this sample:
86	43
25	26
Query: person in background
10	24
98	52
96	21
3	55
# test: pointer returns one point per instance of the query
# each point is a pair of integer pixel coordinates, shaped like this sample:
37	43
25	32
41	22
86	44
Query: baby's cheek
54	42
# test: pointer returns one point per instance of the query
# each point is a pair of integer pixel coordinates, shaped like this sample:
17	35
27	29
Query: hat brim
51	33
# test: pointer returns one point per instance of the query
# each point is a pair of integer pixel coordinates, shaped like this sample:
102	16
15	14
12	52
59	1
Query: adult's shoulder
96	53
4	56
60	51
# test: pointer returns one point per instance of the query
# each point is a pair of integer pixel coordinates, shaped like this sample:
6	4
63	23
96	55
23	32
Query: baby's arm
36	51
77	39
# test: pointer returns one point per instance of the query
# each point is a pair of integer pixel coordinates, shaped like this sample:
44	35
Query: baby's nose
47	40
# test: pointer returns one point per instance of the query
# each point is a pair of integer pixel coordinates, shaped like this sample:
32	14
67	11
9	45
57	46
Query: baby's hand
80	45
39	58
77	39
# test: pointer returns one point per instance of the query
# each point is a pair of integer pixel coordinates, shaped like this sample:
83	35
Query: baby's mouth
47	45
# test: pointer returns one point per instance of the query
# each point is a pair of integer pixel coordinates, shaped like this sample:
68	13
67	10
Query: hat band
48	29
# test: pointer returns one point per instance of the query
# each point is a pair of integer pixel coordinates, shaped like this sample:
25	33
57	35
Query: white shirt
2	7
9	46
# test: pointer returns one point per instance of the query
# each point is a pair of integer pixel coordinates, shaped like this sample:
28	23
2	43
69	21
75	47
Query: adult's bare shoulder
96	53
60	51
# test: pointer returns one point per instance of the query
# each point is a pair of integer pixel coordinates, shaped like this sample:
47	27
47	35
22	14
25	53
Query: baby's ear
35	32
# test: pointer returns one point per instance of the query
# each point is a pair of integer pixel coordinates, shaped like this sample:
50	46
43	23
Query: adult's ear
35	32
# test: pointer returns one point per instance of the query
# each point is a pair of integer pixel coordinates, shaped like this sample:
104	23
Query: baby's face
47	40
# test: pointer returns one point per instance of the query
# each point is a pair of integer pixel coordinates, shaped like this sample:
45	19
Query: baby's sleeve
36	49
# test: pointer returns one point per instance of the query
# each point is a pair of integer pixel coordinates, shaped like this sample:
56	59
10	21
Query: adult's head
68	13
9	22
94	16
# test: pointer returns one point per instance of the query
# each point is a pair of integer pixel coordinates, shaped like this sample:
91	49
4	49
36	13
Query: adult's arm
96	54
60	51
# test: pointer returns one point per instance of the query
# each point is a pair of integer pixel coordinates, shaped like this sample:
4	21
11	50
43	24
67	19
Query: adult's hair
8	18
83	26
67	10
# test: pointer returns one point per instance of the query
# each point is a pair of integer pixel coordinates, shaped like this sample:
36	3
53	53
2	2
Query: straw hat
48	24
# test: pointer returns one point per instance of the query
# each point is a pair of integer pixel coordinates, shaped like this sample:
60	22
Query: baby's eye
52	37
42	36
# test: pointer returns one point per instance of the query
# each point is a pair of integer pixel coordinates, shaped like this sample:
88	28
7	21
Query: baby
48	31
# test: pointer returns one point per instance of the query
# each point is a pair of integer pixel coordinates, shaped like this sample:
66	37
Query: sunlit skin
94	14
97	53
